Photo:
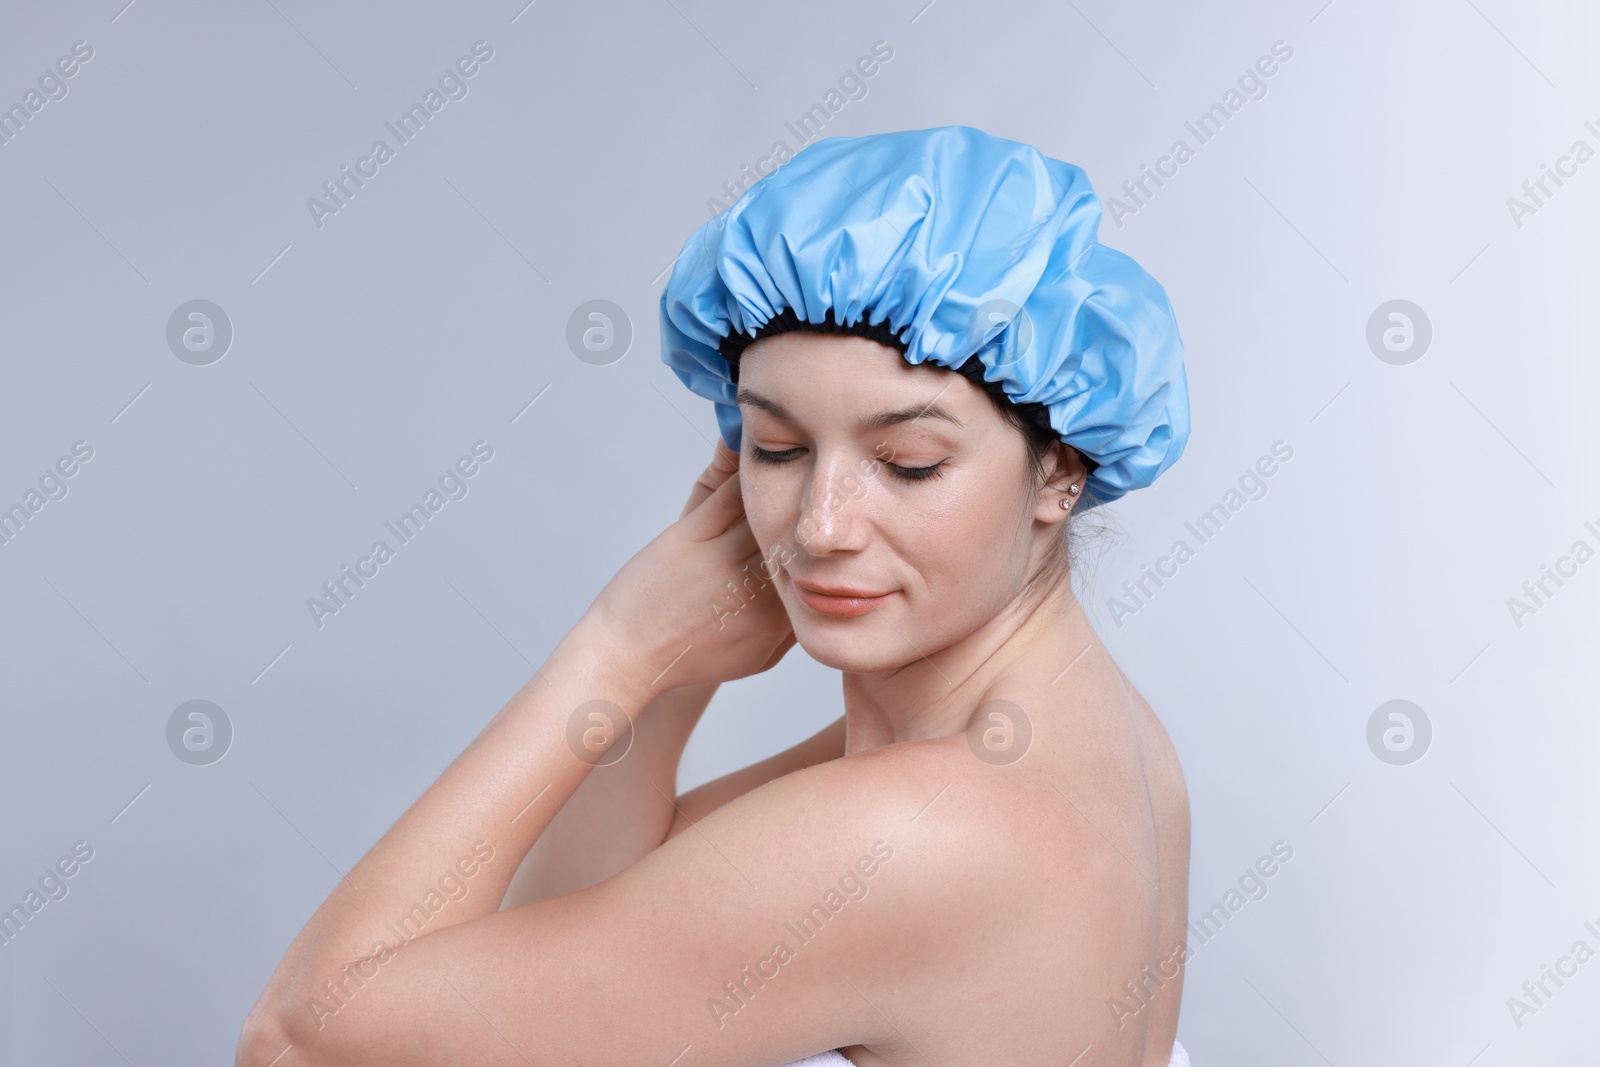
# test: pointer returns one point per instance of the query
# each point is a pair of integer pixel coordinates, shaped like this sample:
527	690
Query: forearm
488	807
621	812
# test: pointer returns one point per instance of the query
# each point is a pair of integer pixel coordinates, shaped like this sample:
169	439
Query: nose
833	511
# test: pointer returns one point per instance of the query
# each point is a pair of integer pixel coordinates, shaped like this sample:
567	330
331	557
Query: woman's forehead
798	360
858	379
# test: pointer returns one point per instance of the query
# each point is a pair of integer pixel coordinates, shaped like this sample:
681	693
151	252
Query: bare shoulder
1023	858
913	794
1026	878
942	823
952	821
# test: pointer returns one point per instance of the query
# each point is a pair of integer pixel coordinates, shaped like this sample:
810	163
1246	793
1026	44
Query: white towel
831	1058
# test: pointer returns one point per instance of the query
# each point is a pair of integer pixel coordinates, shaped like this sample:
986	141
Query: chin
852	647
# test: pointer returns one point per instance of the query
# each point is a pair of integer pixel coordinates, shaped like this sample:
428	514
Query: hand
696	605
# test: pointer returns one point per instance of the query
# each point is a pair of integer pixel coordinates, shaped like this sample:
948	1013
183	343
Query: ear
1064	468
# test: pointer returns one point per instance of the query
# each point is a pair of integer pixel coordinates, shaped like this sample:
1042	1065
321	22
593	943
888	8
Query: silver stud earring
1072	491
1066	505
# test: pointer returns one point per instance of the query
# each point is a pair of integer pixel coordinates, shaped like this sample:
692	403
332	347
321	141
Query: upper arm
779	930
826	744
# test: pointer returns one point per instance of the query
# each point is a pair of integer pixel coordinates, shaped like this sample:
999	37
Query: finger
717	512
741	543
724	458
724	463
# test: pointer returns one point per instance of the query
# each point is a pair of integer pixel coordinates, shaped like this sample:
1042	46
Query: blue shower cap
965	245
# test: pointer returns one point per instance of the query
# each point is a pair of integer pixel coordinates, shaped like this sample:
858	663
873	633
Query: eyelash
910	474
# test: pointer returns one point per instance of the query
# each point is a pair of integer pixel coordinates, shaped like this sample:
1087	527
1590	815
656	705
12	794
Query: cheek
769	510
968	540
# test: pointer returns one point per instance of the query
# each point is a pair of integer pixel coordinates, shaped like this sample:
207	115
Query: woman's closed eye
910	474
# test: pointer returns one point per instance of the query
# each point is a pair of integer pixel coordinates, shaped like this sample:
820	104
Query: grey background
432	310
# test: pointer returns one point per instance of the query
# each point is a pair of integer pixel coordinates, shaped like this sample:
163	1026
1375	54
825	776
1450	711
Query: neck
938	694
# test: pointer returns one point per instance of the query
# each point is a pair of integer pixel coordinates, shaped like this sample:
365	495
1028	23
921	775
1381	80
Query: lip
842	601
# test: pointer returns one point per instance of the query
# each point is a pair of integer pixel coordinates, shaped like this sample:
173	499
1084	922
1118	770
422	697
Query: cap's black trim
788	319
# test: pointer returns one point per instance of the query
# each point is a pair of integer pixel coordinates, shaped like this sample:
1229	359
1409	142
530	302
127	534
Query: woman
985	860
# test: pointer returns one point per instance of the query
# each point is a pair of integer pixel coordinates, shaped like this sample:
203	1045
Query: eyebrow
879	421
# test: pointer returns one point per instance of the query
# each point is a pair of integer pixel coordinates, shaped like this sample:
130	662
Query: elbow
262	1041
291	1025
267	1037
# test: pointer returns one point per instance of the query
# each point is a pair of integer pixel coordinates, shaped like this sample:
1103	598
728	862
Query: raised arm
621	812
646	634
624	811
626	808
